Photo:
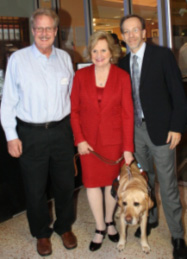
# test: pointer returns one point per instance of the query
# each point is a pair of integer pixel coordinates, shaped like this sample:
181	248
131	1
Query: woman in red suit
102	120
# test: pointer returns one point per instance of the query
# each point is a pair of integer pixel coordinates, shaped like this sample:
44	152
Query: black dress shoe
95	246
115	237
148	230
179	248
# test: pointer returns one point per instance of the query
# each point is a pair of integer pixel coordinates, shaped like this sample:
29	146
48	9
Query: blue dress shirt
37	89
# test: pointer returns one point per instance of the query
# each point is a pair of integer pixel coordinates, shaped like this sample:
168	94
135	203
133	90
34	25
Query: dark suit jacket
113	119
161	92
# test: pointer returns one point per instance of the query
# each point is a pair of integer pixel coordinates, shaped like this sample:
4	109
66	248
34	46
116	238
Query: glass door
148	10
179	33
179	40
106	15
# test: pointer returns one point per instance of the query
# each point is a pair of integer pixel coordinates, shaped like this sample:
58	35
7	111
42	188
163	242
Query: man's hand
173	138
84	148
15	147
128	156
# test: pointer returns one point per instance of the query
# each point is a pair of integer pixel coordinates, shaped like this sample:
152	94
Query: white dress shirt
36	89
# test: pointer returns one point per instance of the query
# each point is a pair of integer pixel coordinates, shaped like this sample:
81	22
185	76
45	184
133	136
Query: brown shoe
44	246
69	240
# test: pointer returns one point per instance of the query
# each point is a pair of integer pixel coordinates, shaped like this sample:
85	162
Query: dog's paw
146	249
120	246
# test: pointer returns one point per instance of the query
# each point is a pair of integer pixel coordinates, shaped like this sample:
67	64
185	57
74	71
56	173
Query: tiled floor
17	243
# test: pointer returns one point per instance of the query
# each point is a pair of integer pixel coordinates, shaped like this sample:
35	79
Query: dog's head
133	196
134	203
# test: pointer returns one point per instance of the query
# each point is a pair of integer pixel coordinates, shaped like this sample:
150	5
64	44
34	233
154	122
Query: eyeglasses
134	30
41	29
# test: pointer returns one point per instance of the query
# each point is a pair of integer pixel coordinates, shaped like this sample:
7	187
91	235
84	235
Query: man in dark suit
160	116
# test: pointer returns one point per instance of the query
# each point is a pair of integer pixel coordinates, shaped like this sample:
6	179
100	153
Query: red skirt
95	172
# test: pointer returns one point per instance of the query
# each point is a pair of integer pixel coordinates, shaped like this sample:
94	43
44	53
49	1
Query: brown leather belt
45	125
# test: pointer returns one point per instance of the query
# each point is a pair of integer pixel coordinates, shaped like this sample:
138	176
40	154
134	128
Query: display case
14	35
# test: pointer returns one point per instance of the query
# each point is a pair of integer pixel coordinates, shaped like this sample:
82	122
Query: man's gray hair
47	12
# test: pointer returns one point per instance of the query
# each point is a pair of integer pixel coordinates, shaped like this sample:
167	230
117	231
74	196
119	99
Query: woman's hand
84	148
128	156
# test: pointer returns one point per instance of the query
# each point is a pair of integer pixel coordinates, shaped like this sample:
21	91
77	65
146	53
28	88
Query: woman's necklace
101	83
101	77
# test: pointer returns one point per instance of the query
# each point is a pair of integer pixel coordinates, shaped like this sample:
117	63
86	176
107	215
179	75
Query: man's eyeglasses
134	30
41	29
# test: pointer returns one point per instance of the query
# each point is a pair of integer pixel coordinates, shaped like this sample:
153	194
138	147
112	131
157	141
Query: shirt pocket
63	82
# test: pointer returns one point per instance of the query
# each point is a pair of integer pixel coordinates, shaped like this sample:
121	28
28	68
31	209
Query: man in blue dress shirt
35	117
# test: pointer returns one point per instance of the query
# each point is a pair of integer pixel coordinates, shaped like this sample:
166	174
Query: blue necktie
135	89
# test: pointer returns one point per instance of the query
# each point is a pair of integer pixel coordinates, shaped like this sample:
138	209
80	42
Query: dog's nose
128	219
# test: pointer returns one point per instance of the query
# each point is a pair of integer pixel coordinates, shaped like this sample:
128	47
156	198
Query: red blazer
113	119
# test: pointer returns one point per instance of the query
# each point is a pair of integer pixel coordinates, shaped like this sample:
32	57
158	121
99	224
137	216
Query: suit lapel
124	63
146	63
91	86
128	64
108	90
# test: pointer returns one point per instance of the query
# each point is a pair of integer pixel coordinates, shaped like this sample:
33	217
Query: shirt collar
140	52
38	54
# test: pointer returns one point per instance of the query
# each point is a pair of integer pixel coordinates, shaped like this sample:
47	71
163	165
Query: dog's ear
150	203
120	201
121	198
122	186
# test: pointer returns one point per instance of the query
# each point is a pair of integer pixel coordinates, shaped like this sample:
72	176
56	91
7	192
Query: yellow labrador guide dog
134	202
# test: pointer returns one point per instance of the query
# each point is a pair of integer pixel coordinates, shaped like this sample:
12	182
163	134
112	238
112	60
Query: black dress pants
48	152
